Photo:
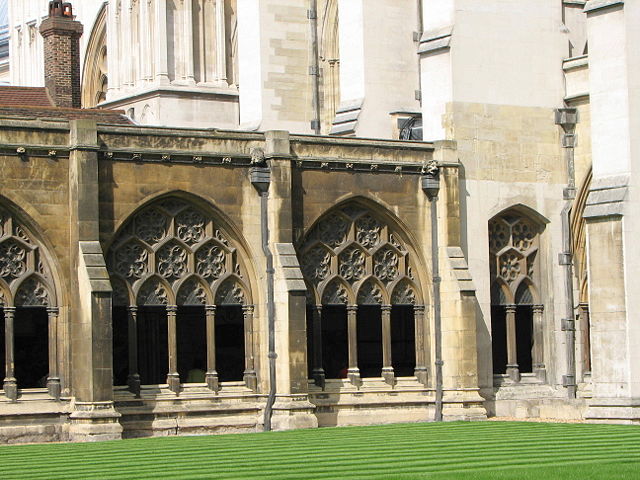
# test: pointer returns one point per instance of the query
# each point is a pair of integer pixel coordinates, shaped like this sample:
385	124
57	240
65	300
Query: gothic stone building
311	215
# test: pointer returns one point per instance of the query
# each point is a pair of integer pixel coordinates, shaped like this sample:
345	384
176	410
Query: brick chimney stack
62	55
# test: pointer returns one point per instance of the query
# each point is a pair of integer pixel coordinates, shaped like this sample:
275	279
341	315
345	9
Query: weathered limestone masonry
77	185
612	209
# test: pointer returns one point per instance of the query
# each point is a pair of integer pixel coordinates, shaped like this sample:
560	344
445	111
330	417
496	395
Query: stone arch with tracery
516	308
365	305
176	259
29	308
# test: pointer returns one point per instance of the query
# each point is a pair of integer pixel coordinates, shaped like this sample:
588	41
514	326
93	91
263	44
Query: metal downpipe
264	226
314	68
567	119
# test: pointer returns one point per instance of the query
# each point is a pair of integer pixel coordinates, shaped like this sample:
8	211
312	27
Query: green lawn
468	451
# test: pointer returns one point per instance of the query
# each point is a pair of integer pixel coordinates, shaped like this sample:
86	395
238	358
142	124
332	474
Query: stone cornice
594	5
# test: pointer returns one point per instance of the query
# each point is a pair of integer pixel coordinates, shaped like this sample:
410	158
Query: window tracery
171	240
351	244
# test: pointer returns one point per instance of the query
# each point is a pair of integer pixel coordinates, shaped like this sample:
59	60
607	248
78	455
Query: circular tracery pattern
364	246
23	267
513	246
181	240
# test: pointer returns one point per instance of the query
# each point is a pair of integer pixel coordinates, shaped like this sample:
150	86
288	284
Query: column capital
172	309
210	308
538	308
53	311
510	307
132	308
385	308
419	308
352	308
10	310
248	309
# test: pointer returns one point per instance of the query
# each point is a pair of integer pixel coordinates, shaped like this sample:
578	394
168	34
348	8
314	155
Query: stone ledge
594	5
606	197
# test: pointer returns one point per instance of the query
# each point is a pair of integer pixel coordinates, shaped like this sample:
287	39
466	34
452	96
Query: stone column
250	377
10	384
422	350
173	378
187	43
387	363
317	371
538	343
113	47
512	355
221	43
145	57
211	376
133	379
160	42
53	379
352	331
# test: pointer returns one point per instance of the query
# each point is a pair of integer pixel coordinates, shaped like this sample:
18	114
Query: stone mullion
173	378
352	330
53	379
250	378
10	385
317	372
387	362
538	343
211	376
421	371
513	369
133	379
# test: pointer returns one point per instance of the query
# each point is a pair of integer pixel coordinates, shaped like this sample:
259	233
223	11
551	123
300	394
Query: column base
54	388
10	388
465	405
513	372
212	381
353	374
94	422
318	377
173	379
422	374
389	376
134	384
292	413
250	380
540	372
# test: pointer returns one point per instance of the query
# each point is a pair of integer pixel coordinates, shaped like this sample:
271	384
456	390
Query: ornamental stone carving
13	260
173	239
352	264
348	245
210	262
23	266
172	261
151	225
513	247
32	293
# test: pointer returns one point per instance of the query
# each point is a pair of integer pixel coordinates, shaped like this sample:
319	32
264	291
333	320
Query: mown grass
468	451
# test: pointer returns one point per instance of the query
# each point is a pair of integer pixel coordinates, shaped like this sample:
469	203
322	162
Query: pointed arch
371	291
197	225
94	72
154	291
231	290
192	291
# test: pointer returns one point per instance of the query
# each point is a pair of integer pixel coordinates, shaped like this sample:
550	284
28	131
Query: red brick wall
62	60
